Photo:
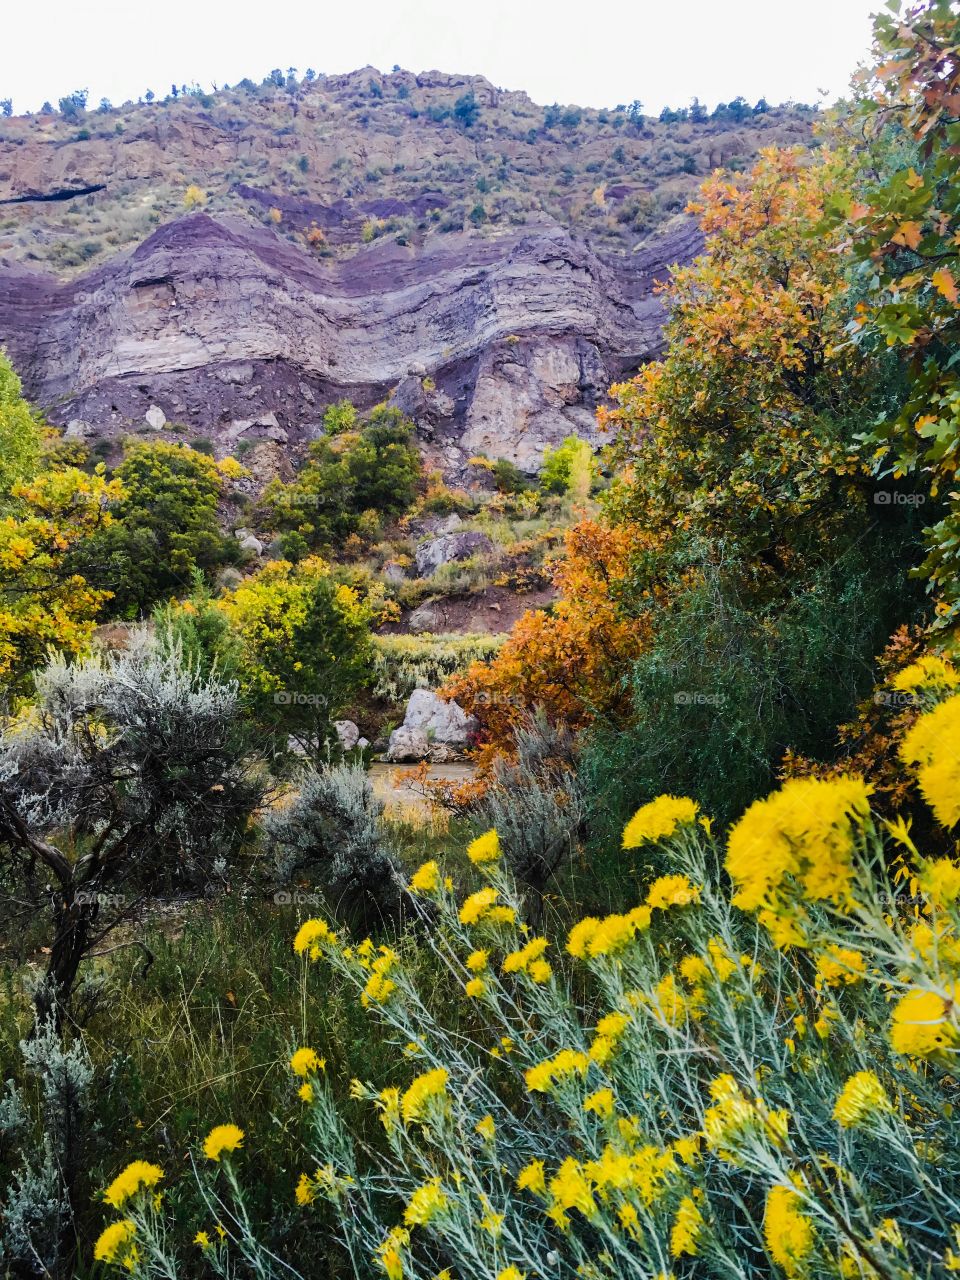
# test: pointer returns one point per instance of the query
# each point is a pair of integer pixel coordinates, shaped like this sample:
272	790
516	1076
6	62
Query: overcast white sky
590	52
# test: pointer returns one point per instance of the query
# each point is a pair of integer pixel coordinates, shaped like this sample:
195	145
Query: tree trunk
72	921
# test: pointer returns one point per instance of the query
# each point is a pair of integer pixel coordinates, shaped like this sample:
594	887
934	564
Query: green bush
356	468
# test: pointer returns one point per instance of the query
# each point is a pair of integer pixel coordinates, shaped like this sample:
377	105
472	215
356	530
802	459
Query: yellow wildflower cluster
929	672
417	1100
305	1062
138	1176
687	1226
805	834
862	1097
933	745
115	1244
426	1202
380	987
312	937
484	849
222	1140
529	960
390	1252
735	1120
672	891
840	966
788	1231
546	1075
482	907
591	937
659	820
925	1022
940	881
426	879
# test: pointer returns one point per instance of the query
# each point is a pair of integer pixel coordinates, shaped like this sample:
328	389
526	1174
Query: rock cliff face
497	344
487	262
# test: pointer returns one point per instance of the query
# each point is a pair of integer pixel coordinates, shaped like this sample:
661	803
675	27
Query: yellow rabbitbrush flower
138	1176
390	1252
862	1097
312	937
422	1092
306	1062
601	1103
840	966
519	961
924	1023
804	833
687	1226
591	937
475	988
426	879
933	745
659	820
425	1203
735	1119
532	1178
930	671
788	1231
222	1140
305	1192
478	905
672	891
113	1242
546	1075
940	881
379	987
484	849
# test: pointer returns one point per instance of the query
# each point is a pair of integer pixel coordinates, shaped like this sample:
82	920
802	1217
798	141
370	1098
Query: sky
593	53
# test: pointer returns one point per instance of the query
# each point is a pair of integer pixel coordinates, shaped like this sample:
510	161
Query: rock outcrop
227	329
432	729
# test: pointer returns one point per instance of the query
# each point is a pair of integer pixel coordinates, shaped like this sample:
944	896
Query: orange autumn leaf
944	283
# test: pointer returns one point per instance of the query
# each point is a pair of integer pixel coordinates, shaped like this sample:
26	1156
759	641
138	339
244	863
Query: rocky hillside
226	265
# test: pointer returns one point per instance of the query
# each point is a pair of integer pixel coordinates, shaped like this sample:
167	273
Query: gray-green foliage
43	1152
535	801
332	836
404	663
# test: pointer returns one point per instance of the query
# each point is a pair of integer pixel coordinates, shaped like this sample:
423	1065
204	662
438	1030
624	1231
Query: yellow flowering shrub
737	1082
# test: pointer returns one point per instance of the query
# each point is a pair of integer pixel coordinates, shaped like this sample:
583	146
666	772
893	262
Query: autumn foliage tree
741	507
46	513
905	229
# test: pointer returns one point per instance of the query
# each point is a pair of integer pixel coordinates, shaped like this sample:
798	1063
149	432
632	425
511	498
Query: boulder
449	547
394	572
348	733
407	744
426	617
432	730
76	429
155	418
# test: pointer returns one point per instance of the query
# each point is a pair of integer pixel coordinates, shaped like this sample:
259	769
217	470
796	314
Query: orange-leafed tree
572	660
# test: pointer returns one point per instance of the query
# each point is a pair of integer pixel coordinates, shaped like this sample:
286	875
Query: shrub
375	468
129	776
164	527
331	835
404	663
717	1087
47	1152
303	650
508	477
569	468
535	801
